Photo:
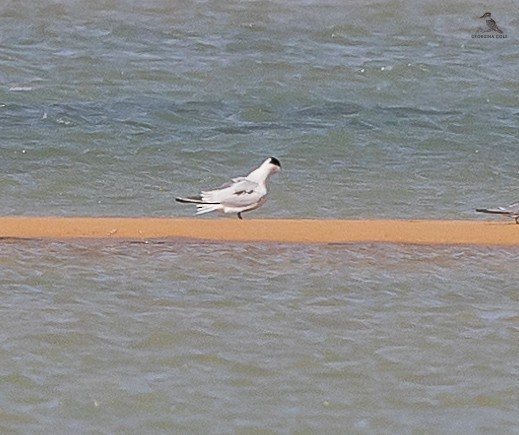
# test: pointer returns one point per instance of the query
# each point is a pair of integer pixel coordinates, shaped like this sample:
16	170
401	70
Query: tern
511	211
239	195
491	24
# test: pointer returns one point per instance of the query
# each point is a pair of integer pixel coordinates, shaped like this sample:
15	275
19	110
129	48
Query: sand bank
424	232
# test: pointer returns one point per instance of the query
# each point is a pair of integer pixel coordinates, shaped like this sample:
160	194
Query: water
167	337
375	109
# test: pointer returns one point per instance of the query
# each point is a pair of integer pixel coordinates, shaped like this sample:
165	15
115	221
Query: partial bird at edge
511	210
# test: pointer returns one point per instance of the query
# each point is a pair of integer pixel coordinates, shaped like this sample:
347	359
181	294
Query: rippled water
382	109
216	338
375	109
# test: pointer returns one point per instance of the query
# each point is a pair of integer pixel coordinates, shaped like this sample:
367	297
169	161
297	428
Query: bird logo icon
491	24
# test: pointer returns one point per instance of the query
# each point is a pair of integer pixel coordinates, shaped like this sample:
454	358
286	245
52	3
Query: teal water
375	109
113	109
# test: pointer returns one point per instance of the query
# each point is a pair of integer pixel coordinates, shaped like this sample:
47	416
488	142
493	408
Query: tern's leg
239	216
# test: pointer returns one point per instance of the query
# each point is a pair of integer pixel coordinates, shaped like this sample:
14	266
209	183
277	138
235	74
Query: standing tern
239	195
511	211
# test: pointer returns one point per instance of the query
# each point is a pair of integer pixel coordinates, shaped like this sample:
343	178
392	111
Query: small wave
20	88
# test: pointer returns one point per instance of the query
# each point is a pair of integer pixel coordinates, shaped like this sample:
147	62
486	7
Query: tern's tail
207	208
202	206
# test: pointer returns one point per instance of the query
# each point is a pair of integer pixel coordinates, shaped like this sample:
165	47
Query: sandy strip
424	232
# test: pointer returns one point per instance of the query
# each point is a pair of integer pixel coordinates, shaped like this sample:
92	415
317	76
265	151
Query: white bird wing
240	193
512	208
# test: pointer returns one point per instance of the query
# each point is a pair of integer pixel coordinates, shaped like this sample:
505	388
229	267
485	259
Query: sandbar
421	232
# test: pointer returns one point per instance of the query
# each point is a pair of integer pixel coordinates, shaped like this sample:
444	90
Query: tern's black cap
275	161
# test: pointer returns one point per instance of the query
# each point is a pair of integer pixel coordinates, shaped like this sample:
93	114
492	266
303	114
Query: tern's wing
227	184
511	209
240	193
